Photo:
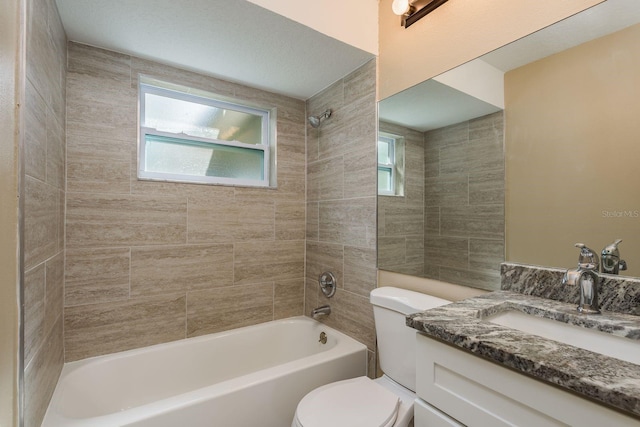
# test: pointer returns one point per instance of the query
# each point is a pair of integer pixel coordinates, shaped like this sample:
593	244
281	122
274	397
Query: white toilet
386	401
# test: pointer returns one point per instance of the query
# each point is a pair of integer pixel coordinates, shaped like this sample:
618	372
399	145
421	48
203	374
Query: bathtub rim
54	417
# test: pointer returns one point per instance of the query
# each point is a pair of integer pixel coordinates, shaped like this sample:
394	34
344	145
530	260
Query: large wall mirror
517	155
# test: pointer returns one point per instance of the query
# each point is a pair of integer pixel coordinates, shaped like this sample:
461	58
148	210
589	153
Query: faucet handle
612	249
571	276
587	259
623	265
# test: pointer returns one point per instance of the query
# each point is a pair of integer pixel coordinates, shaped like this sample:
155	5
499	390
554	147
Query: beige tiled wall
464	202
341	202
44	198
401	218
149	262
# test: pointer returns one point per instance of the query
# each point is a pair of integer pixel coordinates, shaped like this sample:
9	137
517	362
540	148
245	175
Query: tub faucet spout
323	310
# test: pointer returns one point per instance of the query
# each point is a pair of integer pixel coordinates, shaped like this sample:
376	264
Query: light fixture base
418	9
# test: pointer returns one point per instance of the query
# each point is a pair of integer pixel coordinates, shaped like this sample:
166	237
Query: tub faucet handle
328	284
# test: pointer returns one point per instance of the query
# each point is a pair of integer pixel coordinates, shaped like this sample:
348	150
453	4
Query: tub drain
323	338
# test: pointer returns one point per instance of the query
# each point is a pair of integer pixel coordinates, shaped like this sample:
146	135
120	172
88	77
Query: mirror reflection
517	155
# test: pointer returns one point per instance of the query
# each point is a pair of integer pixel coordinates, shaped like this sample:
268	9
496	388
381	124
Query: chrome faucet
586	277
323	310
611	262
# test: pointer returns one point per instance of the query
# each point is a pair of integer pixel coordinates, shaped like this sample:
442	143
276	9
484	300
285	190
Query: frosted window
384	154
194	119
386	165
384	181
177	157
193	138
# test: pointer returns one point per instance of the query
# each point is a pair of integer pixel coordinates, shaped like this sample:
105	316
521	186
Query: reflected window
190	137
389	162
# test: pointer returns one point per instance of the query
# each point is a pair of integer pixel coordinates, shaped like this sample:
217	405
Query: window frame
392	141
154	87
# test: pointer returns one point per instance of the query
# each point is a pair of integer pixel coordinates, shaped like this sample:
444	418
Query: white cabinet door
480	393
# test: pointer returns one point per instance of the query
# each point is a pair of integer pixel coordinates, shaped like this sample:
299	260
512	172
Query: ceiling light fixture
414	10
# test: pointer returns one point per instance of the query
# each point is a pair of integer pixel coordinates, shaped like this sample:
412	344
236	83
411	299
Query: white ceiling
232	39
423	108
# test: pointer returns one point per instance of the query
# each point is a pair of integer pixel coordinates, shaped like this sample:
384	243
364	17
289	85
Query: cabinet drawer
426	415
477	392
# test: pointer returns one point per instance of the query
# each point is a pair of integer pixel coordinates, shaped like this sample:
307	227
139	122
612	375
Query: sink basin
589	339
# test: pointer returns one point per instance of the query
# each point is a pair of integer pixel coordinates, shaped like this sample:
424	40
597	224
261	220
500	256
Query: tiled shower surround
117	263
150	262
341	203
43	176
457	235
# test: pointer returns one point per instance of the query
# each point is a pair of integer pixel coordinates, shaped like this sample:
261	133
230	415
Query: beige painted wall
10	66
455	33
572	153
354	21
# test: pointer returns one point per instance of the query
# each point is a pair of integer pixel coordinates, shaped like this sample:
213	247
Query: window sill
220	184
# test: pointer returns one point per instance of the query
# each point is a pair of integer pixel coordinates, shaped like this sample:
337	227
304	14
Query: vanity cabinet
457	388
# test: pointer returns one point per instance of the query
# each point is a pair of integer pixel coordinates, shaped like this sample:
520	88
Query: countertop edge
599	378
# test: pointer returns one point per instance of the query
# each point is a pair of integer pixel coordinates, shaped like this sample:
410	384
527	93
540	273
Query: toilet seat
357	402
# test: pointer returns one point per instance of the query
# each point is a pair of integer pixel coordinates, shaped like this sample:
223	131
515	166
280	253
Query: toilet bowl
386	401
357	402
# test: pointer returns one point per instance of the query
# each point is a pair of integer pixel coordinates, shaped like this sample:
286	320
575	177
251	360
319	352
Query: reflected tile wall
401	219
150	262
464	202
341	202
44	200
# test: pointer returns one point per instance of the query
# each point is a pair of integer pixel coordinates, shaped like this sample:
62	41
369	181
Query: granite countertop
613	382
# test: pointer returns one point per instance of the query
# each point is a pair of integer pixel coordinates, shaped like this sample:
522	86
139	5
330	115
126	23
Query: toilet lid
358	402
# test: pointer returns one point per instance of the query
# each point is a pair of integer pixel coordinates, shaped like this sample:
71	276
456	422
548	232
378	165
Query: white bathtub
252	376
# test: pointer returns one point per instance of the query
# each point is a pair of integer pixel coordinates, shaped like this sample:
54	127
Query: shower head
315	121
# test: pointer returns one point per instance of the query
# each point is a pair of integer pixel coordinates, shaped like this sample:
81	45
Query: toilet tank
396	341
